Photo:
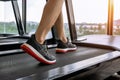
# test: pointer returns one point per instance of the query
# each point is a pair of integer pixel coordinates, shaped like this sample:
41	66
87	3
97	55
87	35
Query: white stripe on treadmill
66	49
6	43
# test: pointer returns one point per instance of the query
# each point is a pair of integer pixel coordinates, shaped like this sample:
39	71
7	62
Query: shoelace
69	44
46	50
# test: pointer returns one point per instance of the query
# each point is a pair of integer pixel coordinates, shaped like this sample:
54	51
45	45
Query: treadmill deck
22	65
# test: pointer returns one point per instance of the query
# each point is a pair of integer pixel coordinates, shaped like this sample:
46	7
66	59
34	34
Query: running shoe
38	51
65	47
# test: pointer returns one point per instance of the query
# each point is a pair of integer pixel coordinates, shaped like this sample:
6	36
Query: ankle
39	40
64	40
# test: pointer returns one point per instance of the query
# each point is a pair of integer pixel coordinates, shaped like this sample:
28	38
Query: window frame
71	18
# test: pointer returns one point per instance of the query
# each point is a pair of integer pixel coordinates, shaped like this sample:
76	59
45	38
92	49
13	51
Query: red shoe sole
30	52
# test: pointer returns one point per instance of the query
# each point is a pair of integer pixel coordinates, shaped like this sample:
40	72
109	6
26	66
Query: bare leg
63	46
50	14
60	28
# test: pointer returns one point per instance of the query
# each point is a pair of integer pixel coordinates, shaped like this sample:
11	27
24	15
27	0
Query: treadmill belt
21	65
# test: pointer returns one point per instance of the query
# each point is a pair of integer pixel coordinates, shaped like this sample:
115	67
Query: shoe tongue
44	43
68	40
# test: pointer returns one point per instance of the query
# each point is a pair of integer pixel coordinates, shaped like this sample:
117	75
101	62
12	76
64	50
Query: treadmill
91	61
87	63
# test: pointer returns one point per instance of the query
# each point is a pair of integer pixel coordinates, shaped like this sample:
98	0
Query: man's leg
63	43
59	25
50	14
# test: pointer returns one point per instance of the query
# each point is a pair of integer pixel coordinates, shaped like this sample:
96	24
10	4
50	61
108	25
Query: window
90	16
7	19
